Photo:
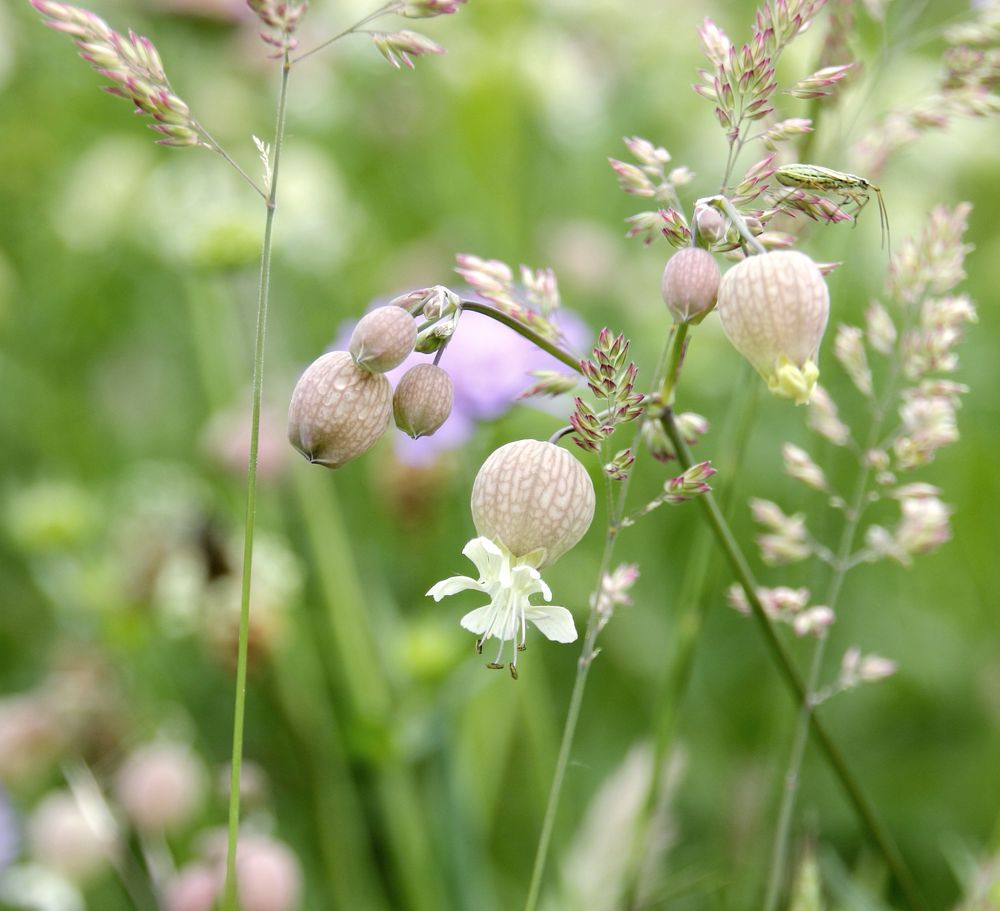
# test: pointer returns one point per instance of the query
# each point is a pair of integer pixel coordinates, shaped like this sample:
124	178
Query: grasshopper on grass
850	187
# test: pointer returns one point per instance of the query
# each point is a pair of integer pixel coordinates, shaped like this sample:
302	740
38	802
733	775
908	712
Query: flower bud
690	284
338	410
383	339
534	499
711	225
774	309
422	401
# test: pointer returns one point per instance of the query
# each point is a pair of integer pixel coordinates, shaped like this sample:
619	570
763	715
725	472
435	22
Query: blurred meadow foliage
399	772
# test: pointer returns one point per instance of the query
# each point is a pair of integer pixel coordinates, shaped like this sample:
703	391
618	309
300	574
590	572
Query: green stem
841	566
215	147
724	205
239	710
587	655
521	329
876	829
692	605
674	365
779	850
616	509
390	7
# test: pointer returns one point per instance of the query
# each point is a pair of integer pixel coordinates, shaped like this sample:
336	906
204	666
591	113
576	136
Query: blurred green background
400	772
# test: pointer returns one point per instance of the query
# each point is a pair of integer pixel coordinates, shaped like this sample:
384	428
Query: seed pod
383	339
422	401
774	308
690	284
534	499
338	410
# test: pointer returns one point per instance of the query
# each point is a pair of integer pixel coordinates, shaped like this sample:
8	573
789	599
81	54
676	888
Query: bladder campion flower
774	309
338	410
531	502
422	400
383	339
690	284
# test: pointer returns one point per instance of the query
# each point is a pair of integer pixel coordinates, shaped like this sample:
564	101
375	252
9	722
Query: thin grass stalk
239	709
876	829
616	506
779	851
693	604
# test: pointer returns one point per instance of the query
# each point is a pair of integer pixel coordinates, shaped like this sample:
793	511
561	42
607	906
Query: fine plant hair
750	209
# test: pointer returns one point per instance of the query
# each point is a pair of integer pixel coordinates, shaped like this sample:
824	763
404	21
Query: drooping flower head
531	502
534	499
774	308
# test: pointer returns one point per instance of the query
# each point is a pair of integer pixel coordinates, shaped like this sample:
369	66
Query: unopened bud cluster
785	605
342	403
282	18
785	539
611	377
690	484
132	65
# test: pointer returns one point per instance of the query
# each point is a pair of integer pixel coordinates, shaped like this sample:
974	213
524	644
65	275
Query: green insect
850	187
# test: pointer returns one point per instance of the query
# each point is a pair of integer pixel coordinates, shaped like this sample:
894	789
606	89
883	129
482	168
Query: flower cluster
533	303
132	65
785	538
786	605
741	81
650	179
427	9
342	403
614	592
399	48
967	88
611	378
692	427
282	18
898	356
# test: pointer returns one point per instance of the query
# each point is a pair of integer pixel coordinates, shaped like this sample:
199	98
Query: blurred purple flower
490	365
8	832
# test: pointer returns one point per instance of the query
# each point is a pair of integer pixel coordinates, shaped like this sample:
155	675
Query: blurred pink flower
8	832
221	10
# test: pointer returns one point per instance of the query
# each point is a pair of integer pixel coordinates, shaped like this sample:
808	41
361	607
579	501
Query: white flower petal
555	623
453	585
478	620
528	581
481	551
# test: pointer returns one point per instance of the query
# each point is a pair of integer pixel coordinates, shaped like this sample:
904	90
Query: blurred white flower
161	786
62	838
